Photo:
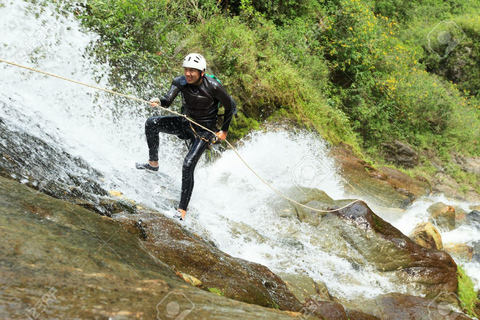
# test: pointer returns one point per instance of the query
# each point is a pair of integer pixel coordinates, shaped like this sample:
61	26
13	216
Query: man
201	96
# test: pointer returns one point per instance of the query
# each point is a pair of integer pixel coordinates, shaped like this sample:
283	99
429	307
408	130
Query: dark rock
400	153
35	163
389	250
474	216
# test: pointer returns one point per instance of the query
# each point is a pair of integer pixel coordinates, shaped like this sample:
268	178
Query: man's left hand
221	135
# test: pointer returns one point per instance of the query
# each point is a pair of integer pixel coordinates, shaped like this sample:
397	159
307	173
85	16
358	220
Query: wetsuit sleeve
228	103
175	88
167	99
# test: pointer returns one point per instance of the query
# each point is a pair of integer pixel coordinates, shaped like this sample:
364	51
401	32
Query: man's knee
150	122
188	164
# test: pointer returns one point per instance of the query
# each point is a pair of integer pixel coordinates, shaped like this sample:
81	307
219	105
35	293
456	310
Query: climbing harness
197	135
191	122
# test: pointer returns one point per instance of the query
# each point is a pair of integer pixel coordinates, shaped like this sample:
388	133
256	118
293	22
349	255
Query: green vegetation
216	291
466	292
359	72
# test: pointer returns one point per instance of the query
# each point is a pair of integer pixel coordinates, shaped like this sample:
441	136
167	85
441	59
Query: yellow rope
192	121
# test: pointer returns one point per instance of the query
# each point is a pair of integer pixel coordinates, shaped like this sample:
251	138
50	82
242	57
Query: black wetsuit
201	104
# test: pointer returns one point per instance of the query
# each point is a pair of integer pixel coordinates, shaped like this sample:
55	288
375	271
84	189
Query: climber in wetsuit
200	99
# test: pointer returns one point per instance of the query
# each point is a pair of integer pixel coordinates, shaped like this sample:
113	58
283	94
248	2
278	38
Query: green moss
466	292
216	291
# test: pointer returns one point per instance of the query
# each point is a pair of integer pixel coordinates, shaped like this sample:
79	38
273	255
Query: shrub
384	90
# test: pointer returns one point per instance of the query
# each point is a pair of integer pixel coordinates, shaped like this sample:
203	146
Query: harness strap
197	135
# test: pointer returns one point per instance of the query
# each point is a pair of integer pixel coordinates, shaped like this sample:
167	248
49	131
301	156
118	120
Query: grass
466	292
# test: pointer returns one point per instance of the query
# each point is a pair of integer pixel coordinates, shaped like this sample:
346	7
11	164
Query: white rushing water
229	205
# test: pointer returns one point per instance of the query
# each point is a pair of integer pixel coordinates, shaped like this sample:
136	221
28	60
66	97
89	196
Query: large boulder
381	244
426	235
351	230
61	261
217	271
442	215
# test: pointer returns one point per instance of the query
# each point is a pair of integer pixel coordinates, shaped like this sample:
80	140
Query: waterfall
230	205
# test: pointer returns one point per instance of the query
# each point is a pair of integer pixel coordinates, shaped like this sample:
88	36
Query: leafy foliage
361	72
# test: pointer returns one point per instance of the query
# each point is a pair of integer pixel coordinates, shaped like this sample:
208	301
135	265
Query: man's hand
221	135
154	102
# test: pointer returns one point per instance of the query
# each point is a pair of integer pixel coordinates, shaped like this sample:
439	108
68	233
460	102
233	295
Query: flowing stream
230	205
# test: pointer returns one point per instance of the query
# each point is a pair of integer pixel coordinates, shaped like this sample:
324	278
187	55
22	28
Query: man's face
193	75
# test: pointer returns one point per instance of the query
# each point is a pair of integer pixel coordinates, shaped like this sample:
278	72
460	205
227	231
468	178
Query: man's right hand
154	102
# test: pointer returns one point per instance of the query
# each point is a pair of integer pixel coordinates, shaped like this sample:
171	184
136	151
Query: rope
192	121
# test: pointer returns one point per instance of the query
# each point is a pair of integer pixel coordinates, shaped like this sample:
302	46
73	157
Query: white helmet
195	61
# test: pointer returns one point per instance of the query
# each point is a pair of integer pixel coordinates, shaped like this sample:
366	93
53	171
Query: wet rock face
61	261
217	271
391	251
384	186
400	306
33	162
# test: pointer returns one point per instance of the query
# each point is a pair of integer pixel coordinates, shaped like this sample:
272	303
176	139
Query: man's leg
155	125
194	154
